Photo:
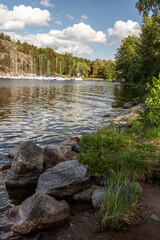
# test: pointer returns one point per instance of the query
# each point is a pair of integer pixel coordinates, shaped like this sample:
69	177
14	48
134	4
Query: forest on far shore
137	59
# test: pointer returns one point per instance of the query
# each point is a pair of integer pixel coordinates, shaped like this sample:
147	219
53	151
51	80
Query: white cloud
58	22
46	3
84	17
73	39
12	20
70	16
124	29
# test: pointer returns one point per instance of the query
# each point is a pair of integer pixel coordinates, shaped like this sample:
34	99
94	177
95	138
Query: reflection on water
48	112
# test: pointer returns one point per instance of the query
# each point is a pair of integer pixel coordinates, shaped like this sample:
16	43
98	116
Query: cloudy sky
86	28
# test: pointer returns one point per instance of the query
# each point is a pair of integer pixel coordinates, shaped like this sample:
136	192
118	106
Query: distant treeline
46	61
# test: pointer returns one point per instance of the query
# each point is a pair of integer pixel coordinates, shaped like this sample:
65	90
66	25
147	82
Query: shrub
151	116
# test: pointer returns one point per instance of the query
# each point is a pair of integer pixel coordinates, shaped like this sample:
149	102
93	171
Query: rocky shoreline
57	180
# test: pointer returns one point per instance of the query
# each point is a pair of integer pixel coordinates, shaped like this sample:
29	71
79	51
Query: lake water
48	112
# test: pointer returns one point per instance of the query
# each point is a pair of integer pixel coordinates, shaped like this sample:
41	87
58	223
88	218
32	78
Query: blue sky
86	28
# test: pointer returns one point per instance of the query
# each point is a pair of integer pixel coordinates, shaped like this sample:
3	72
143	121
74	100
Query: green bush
151	116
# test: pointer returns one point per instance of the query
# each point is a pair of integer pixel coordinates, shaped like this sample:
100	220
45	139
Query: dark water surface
48	112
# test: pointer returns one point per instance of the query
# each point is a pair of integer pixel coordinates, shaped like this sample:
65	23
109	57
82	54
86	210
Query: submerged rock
116	105
12	153
26	166
65	179
106	115
73	141
36	213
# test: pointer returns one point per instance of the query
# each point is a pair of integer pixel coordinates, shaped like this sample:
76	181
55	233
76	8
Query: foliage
138	59
106	68
97	65
151	115
84	69
149	51
127	58
119	209
120	149
145	6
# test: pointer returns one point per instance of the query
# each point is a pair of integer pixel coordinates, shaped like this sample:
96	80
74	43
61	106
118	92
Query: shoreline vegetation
126	151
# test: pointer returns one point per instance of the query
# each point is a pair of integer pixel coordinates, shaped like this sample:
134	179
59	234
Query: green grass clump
135	149
119	210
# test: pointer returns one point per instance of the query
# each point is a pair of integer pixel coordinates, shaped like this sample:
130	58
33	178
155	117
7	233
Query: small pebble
155	217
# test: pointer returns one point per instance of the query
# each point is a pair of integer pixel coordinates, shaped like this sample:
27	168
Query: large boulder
53	154
35	213
65	179
26	166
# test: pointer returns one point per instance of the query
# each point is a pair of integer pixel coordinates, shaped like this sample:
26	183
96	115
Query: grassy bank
135	151
122	155
125	155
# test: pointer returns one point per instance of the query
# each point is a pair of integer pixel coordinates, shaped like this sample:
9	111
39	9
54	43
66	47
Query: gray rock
26	166
130	104
84	196
139	108
124	119
128	115
76	148
116	105
155	217
6	166
98	195
70	155
53	154
65	179
12	153
36	213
